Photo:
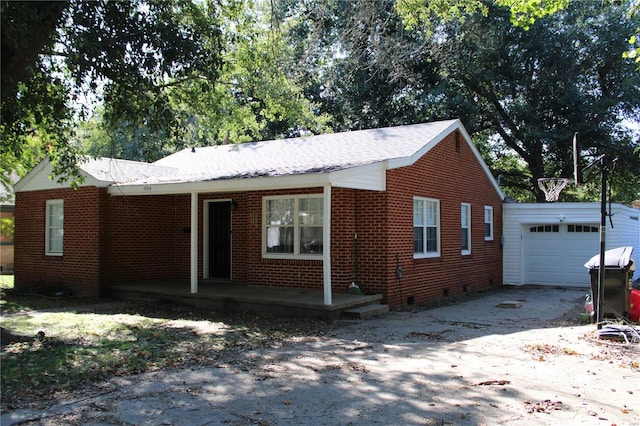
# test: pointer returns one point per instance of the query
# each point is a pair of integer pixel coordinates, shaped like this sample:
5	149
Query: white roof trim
39	179
369	177
225	185
408	161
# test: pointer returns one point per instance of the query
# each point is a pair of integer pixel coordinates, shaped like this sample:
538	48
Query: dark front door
220	240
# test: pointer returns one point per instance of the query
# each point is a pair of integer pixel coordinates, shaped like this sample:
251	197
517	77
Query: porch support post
326	244
194	242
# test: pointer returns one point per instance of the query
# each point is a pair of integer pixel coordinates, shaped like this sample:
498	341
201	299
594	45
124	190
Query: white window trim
296	228
423	254
48	227
467	226
488	210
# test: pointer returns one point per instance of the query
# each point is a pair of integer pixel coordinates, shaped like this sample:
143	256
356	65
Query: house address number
147	188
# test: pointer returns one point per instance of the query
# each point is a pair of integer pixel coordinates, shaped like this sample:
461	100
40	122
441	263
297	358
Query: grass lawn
55	345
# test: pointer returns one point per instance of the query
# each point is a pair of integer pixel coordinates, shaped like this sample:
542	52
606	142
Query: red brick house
410	212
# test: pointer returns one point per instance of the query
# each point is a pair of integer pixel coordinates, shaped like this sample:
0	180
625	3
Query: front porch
237	297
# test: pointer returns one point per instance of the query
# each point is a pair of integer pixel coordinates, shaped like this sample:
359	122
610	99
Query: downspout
194	242
326	245
354	262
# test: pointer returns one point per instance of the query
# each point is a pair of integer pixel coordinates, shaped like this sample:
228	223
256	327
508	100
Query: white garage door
556	254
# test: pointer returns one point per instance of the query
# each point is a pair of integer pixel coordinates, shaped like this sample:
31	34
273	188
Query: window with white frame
293	226
54	233
426	227
465	225
488	223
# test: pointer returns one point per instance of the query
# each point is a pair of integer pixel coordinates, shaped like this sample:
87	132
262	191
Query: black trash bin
618	279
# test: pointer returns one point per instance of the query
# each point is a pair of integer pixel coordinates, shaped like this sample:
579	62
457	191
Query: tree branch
27	28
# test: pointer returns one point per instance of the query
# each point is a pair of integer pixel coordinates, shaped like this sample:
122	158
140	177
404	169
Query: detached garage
548	244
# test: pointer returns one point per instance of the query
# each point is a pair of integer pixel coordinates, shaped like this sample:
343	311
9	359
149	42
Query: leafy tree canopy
258	95
170	74
521	93
524	13
529	91
127	54
583	85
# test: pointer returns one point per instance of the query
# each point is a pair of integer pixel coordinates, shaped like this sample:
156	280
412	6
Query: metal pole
603	231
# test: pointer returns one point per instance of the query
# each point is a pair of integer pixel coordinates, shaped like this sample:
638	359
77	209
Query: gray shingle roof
285	157
125	171
356	159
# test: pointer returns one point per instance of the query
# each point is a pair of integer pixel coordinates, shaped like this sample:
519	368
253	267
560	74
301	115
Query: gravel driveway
471	363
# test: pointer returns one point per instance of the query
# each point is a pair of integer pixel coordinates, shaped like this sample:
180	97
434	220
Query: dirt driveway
472	363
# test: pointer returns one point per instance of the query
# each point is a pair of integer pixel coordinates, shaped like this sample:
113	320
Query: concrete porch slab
236	297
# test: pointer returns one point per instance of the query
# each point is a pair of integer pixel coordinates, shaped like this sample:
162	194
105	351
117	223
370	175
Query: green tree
125	54
365	70
429	14
7	227
633	51
258	96
535	88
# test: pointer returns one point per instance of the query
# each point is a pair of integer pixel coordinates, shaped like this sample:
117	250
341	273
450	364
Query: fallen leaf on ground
493	382
542	406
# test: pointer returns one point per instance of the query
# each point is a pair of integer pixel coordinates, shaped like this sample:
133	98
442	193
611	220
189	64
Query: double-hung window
293	226
426	227
465	225
54	231
488	223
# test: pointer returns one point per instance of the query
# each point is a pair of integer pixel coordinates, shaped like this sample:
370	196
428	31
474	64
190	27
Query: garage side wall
519	216
626	232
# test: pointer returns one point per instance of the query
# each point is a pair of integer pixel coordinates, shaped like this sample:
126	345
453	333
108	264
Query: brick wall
343	237
106	239
128	238
248	265
373	253
148	237
451	174
79	269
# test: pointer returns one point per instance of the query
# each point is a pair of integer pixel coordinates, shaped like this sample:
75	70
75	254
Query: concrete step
366	311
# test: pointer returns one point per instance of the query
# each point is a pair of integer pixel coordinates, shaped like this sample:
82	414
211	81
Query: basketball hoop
552	187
